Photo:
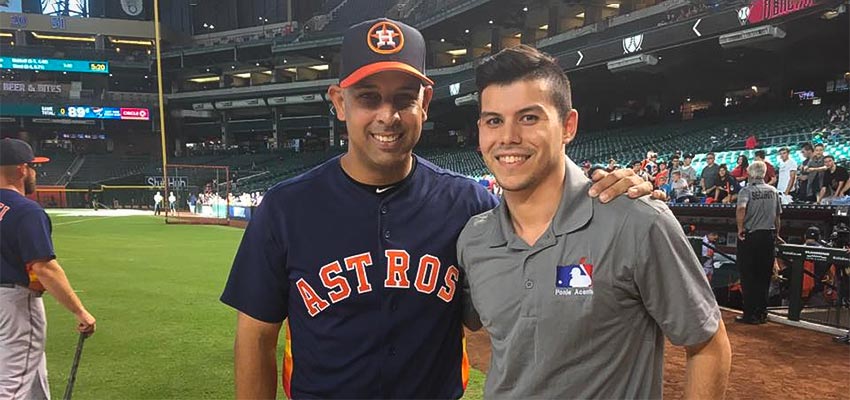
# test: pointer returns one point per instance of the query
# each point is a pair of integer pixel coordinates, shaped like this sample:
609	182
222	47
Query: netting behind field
197	194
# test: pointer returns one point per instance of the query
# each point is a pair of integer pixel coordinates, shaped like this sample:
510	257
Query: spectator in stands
681	190
836	182
708	258
770	175
835	134
708	176
612	165
803	174
815	169
664	185
675	163
157	203
636	167
191	202
751	142
740	170
787	175
663	174
650	165
688	171
727	186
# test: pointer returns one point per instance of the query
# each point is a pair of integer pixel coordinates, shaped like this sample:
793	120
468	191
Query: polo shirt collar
574	211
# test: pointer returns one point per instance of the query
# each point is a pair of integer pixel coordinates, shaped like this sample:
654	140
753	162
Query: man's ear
335	93
570	127
426	101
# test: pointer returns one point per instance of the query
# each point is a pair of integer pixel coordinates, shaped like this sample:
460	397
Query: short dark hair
819	145
807	146
675	157
710	153
829	157
785	149
524	62
760	153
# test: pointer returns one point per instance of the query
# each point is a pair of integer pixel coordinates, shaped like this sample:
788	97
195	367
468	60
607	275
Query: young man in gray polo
576	295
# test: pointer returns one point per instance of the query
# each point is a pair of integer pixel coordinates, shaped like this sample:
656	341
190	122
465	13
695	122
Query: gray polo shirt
583	312
763	205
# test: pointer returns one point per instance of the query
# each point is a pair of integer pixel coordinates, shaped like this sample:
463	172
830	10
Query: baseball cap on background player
381	45
17	152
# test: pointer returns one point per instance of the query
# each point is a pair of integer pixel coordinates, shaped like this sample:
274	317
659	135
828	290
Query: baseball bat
74	366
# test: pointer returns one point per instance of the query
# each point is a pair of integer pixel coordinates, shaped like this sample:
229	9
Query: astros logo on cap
385	38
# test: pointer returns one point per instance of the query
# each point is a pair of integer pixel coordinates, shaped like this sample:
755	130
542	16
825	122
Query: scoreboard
52	64
76	112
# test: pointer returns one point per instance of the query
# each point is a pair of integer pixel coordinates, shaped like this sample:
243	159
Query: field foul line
81	220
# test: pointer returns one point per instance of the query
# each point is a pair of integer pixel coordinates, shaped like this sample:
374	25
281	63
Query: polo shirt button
529	284
386	234
384	209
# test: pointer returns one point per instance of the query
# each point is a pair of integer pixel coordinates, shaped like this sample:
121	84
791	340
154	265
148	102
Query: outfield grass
162	333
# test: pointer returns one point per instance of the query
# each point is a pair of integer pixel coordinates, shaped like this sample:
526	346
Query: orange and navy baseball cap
381	45
17	152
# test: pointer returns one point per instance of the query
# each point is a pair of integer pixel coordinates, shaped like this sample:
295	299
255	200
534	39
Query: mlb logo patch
574	279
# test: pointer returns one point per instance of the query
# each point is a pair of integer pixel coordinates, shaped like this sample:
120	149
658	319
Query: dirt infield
771	361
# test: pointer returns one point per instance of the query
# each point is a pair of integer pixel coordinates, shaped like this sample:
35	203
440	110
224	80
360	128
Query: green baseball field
161	331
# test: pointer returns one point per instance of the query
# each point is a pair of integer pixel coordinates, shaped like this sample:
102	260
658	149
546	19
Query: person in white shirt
172	202
157	203
787	175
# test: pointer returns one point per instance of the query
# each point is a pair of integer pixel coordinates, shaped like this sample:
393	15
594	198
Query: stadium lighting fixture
518	35
466	31
454	60
442	40
232	67
525	9
146	77
755	88
320	67
488	45
117	49
457	52
205	79
12	43
580	15
614	6
292	70
321	56
544	27
134	42
269	72
256	64
4	34
284	61
206	25
244	75
67	38
490	22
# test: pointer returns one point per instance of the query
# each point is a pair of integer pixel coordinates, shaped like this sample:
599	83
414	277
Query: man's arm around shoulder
255	358
708	367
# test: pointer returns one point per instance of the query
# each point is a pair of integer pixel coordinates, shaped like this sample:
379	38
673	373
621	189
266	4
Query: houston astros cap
16	152
381	45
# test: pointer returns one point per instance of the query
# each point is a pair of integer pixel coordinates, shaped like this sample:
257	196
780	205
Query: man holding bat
28	268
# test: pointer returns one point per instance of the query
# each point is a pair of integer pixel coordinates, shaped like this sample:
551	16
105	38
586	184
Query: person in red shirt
770	174
740	171
751	142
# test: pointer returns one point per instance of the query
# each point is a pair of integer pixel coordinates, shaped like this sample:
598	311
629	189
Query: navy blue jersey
369	283
24	236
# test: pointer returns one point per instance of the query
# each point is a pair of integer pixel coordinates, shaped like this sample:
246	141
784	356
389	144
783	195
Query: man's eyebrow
535	107
489	114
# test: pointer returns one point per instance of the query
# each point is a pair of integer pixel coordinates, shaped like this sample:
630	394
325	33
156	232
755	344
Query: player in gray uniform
759	207
576	295
27	267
